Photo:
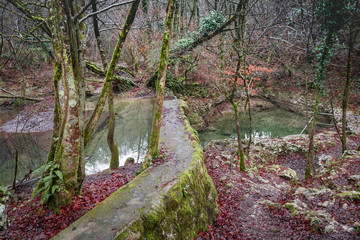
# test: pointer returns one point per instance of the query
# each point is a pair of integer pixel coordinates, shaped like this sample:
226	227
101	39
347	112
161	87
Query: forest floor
31	220
265	202
268	202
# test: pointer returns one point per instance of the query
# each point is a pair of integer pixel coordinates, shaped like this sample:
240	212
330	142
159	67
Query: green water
132	133
133	129
267	123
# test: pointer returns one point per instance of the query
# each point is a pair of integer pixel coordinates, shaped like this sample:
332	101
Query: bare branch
78	14
105	9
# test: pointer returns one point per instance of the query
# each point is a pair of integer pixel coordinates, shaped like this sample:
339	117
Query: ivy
333	15
211	22
208	24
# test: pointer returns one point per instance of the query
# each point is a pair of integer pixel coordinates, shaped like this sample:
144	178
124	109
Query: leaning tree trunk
90	127
160	83
113	146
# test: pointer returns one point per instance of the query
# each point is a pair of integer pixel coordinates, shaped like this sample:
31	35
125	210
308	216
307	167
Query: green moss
351	195
189	206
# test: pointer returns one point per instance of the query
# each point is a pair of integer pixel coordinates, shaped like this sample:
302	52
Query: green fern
50	184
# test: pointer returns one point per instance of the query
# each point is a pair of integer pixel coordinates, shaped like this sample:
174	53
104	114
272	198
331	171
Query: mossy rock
129	161
351	195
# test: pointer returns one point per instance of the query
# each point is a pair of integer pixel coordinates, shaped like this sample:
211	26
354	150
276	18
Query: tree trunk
90	127
67	147
352	39
311	151
160	83
97	36
113	146
238	131
114	162
16	167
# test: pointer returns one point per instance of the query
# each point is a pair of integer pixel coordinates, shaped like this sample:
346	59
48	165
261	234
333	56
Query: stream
133	120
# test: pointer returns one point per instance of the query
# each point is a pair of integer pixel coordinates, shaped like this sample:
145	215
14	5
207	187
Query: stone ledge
172	201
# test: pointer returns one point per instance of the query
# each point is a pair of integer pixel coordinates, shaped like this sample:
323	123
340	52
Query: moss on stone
351	195
189	206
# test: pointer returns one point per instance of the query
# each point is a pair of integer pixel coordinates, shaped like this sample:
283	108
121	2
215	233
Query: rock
227	156
271	204
326	203
345	206
322	221
194	119
323	161
296	207
4	223
129	161
229	185
349	195
310	193
356	226
354	178
288	174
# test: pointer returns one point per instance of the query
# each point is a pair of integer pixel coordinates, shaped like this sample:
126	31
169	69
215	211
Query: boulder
4	223
129	161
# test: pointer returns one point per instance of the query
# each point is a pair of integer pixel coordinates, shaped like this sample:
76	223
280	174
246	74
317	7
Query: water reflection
32	150
132	133
268	123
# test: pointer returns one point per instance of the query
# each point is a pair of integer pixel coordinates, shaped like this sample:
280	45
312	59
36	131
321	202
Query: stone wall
172	201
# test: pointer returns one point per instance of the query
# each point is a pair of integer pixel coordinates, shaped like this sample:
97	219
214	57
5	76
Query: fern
50	184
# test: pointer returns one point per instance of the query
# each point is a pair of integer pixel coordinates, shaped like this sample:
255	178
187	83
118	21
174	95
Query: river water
274	122
133	129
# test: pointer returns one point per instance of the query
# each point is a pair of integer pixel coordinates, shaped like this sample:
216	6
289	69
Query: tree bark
160	83
67	147
98	37
352	38
114	161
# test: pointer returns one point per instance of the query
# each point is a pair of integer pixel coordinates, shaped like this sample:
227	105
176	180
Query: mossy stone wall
172	201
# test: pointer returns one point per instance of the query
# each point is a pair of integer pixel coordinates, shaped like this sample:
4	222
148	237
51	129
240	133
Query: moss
351	195
189	206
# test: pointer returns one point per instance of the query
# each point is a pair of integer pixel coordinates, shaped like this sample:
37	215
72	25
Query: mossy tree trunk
239	47
238	131
90	127
114	160
353	33
67	148
160	83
